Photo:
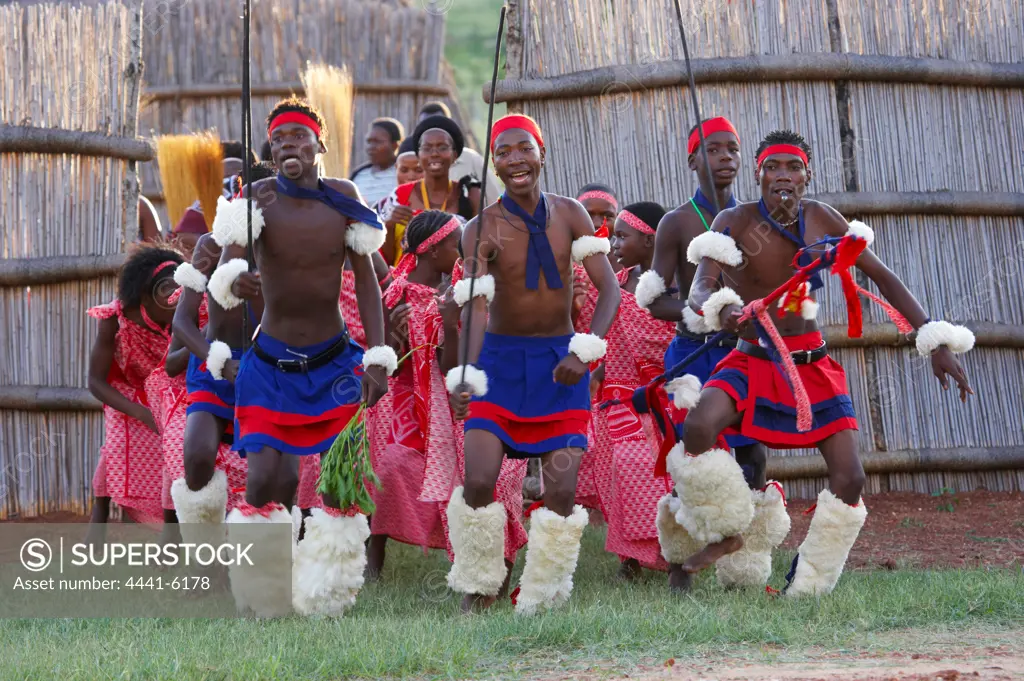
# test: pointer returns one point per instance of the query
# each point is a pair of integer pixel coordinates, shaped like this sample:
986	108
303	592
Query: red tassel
855	316
777	485
902	325
811	509
514	596
661	463
533	507
770	591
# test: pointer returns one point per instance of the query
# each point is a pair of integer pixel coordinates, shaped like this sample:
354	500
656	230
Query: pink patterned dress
626	443
130	469
586	479
309	466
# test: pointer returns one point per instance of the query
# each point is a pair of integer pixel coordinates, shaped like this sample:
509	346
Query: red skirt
766	402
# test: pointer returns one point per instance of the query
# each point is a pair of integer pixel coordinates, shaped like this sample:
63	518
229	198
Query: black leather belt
729	342
301	365
799	357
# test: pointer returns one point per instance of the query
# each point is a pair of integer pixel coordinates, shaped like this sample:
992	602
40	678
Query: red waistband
805	341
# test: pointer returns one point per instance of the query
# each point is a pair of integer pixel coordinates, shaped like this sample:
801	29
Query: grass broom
330	90
191	168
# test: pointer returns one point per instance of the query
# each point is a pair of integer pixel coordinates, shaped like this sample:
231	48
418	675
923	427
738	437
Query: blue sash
539	254
346	205
804	258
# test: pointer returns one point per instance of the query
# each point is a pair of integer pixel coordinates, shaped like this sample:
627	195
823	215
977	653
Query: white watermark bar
56	570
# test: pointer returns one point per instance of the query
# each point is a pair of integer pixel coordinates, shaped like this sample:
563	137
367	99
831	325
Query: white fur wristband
231	224
716	246
476	379
649	288
695	324
223	277
187	276
484	286
958	339
586	246
714	305
364	239
216	358
587	347
381	356
685	391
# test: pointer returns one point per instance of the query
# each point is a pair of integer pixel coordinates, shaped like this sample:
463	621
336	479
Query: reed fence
68	187
192	50
915	112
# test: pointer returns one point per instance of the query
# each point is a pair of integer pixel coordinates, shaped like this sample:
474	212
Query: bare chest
304	234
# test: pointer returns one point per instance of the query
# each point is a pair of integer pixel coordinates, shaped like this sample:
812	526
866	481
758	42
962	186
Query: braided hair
136	278
423	226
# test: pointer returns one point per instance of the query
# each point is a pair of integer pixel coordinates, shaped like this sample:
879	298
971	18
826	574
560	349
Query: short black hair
597	187
265	154
394	129
784	137
235	149
136	277
257	172
443	123
301	106
423	226
406	146
648	211
436	108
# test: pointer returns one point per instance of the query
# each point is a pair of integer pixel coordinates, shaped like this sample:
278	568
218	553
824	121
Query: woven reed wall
63	67
909	137
199	42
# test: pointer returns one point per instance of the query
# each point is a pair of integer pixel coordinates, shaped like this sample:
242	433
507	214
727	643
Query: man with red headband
680	227
523	385
750	251
303	377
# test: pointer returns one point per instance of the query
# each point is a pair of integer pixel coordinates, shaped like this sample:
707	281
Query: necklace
790	223
426	198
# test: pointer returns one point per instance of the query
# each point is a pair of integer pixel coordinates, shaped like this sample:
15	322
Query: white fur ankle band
587	347
223	277
187	276
364	239
716	246
484	286
476	379
586	246
381	356
216	358
649	288
958	339
694	322
717	302
230	225
685	391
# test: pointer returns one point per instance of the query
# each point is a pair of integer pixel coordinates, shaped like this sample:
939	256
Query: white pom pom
476	379
364	239
650	287
222	279
189	277
715	303
381	356
230	225
484	286
588	347
217	356
715	245
809	309
586	246
695	324
959	339
685	391
858	228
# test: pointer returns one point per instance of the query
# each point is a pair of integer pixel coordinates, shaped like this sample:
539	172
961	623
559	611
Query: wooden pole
28	139
986	334
47	398
851	203
761	68
285	88
965	459
57	269
129	126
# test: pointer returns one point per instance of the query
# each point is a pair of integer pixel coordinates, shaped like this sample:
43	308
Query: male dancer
527	374
299	384
752	246
680	227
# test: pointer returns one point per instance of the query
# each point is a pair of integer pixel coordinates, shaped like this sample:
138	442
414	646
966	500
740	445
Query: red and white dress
130	469
627	443
586	478
309	466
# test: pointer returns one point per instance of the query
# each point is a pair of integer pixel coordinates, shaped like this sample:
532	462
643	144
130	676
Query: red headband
164	265
781	149
710	127
594	194
516	121
438	236
293	117
635	222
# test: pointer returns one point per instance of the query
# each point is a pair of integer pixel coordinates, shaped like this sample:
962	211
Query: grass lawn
408	626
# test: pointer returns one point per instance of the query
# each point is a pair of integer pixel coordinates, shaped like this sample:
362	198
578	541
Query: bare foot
472	603
629	570
375	548
679	581
707	556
